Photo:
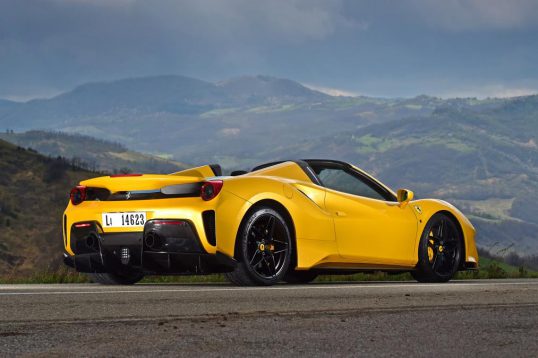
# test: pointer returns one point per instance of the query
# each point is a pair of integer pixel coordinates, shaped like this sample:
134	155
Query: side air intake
209	226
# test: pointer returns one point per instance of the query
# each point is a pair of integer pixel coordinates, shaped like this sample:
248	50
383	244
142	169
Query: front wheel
440	250
265	249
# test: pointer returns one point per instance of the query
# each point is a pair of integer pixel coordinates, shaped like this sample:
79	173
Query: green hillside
34	191
92	153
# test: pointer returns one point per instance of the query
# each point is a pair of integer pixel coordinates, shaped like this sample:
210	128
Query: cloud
382	47
69	42
460	15
336	92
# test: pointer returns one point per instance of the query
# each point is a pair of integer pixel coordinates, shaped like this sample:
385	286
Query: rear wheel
440	250
265	249
116	279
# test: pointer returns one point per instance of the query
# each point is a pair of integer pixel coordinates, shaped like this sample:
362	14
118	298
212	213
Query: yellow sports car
282	221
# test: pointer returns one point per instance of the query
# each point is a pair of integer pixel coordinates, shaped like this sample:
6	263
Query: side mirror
404	196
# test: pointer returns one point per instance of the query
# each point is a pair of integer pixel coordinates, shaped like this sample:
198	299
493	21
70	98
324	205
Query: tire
265	249
440	250
116	279
298	277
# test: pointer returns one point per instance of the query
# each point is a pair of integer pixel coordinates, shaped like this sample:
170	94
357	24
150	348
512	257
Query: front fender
426	208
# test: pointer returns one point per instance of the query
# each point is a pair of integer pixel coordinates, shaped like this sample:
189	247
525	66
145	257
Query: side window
340	180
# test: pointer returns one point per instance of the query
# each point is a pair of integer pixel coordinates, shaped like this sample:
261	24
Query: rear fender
314	228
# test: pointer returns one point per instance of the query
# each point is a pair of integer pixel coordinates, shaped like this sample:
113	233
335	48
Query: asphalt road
493	318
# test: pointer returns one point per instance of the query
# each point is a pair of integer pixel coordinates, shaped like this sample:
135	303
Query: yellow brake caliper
430	248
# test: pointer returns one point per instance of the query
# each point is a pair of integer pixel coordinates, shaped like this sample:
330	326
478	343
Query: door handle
340	213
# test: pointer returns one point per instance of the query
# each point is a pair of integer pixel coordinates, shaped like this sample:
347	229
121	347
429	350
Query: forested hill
34	191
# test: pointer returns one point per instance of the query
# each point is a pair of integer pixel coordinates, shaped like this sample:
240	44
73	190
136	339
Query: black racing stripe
217	170
189	190
309	172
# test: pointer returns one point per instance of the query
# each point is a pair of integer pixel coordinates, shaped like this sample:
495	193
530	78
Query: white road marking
278	288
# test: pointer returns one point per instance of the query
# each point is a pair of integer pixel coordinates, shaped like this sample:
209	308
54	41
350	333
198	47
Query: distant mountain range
192	119
480	154
132	98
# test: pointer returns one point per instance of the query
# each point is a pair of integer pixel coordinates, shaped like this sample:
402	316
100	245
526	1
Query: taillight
211	189
80	225
78	194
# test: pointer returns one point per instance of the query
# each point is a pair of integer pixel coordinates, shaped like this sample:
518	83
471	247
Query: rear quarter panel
313	226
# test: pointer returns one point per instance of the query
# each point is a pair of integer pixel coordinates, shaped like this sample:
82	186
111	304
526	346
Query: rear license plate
127	219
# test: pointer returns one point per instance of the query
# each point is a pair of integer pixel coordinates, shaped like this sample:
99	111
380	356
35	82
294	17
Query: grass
487	263
489	269
62	275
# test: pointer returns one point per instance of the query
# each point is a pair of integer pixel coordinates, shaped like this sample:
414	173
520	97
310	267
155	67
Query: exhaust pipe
92	242
152	241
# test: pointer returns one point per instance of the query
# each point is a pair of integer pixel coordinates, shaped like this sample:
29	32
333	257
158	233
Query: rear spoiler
152	182
205	171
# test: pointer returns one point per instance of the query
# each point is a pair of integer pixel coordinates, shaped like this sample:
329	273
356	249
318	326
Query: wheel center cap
266	247
441	248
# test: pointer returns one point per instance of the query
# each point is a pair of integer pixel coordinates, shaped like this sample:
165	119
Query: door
370	225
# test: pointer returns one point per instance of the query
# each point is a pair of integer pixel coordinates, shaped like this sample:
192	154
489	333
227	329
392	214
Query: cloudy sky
381	48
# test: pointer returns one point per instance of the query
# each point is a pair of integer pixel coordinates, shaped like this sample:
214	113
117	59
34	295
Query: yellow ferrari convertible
283	221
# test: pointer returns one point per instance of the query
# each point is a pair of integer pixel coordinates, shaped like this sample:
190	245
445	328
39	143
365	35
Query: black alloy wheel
440	250
265	249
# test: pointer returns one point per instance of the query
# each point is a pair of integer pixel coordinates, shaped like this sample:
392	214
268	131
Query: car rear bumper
164	247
